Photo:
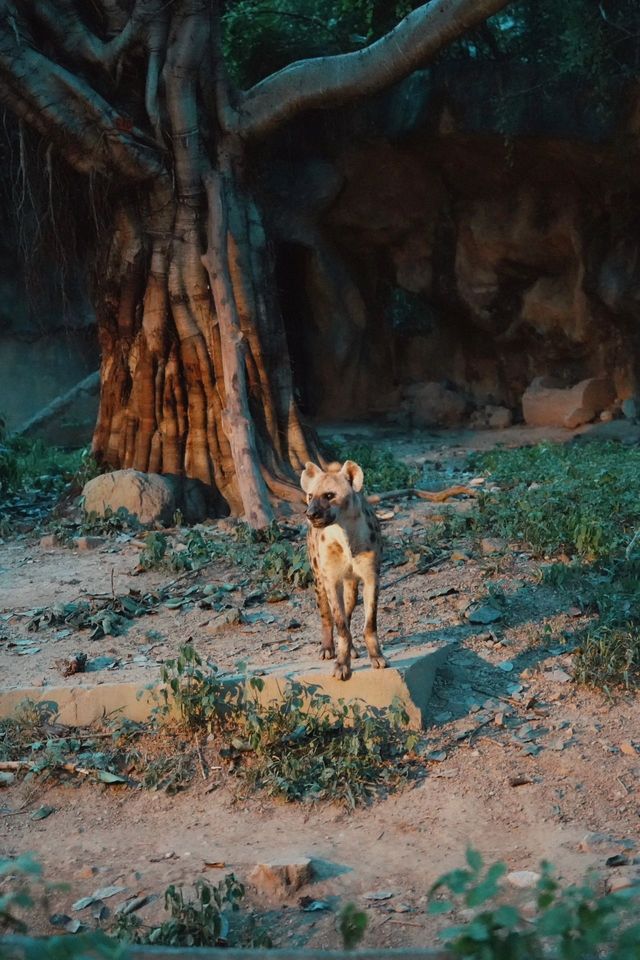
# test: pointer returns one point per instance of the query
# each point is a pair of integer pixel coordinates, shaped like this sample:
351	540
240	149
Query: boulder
491	418
435	405
545	404
277	878
146	496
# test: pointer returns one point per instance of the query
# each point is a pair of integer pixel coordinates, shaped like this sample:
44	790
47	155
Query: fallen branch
435	496
13	765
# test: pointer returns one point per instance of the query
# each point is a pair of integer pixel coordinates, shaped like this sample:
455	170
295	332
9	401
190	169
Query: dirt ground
521	763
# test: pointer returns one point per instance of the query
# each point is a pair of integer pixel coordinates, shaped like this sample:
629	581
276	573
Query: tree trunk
196	378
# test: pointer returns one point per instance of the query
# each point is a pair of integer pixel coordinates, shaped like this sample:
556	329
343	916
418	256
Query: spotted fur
345	549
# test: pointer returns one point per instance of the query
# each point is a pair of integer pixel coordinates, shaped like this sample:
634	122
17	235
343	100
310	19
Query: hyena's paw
379	663
327	653
342	671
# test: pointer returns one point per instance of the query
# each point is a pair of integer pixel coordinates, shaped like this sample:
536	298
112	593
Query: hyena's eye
329	496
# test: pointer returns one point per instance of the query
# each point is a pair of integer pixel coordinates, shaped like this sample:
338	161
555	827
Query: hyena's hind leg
328	650
350	601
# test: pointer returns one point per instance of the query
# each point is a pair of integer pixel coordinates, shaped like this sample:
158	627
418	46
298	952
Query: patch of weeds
301	748
287	563
112	523
352	924
608	656
269	554
16	897
581	499
103	616
307	748
571	922
382	471
195	689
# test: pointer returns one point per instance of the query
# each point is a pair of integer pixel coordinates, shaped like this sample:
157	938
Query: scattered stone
279	878
520	780
617	860
491	418
545	403
223	620
459	556
622	881
523	879
606	416
506	665
558	676
594	842
313	906
146	496
89	543
378	895
483	614
49	542
628	748
6	779
489	545
630	408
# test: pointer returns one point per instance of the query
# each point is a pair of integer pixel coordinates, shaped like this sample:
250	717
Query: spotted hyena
345	547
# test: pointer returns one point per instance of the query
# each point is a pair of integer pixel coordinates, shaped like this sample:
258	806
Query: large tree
195	375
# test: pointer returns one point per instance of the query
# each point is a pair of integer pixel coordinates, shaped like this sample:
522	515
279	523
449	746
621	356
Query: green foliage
15	892
352	924
32	465
199	922
306	748
195	689
262	36
266	553
382	471
572	923
582	499
301	748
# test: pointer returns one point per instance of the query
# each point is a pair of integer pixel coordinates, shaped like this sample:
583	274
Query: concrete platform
409	679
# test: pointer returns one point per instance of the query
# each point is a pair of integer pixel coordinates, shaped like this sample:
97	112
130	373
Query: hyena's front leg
370	600
350	601
328	649
342	669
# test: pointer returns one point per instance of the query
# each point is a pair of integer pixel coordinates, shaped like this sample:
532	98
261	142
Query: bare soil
521	762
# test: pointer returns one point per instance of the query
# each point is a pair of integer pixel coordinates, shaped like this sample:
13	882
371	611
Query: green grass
28	465
382	471
582	499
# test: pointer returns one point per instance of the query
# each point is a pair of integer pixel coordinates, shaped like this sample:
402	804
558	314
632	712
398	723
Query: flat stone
489	545
6	779
523	879
49	542
277	878
622	880
408	681
89	543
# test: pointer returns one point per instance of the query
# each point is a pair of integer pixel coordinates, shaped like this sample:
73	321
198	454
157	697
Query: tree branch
329	81
62	23
86	130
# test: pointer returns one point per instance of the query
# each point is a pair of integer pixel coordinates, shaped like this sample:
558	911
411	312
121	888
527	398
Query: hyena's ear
354	474
310	473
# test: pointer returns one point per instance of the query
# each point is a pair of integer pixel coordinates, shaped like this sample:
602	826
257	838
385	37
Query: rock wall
475	260
47	345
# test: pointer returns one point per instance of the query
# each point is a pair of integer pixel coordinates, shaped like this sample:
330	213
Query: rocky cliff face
456	254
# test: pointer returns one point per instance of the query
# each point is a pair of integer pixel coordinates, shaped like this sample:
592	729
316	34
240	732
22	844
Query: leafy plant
382	471
352	924
195	689
307	748
572	923
200	922
15	893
